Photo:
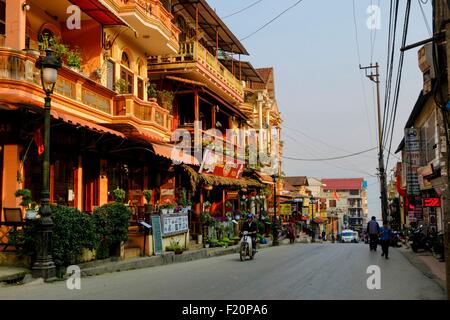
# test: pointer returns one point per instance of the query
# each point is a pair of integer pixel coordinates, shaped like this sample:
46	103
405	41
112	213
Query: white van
349	236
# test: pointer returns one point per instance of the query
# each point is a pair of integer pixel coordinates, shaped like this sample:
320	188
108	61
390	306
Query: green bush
73	231
111	224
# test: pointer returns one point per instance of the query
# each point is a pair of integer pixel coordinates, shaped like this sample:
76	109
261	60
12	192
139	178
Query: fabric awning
74	120
99	11
197	179
170	152
133	132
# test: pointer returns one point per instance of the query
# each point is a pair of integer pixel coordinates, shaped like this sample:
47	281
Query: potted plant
171	207
148	199
119	195
27	202
152	93
165	99
74	60
164	208
121	86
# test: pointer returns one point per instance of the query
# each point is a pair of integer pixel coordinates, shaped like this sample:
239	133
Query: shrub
151	91
73	231
111	223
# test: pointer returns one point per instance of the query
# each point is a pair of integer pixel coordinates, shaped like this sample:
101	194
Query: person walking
373	230
385	239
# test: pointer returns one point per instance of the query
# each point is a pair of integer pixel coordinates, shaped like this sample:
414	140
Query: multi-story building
346	202
133	72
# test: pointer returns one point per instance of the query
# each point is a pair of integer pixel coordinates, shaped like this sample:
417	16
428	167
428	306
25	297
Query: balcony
77	95
151	21
147	114
197	63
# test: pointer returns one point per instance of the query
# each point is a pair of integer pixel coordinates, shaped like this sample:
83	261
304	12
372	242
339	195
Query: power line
334	158
425	17
399	75
272	20
243	9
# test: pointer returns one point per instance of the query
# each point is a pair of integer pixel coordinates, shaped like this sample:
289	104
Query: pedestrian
373	230
385	239
324	236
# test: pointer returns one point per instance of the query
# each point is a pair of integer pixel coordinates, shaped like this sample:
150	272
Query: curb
102	267
422	267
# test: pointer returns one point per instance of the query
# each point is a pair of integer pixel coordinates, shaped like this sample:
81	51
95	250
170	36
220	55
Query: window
128	77
2	17
125	60
428	137
110	75
140	84
332	204
354	192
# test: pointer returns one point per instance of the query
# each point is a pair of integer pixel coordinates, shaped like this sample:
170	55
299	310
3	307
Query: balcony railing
20	77
152	9
147	113
194	52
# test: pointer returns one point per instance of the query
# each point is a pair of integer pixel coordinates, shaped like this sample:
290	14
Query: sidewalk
427	264
8	274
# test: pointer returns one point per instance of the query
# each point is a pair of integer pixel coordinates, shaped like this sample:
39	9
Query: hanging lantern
208	187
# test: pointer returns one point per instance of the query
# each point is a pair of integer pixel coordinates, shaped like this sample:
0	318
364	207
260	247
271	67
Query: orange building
109	129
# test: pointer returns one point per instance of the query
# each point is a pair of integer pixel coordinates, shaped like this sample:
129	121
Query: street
300	271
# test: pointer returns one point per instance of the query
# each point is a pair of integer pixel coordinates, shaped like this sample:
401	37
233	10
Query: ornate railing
148	113
194	52
152	9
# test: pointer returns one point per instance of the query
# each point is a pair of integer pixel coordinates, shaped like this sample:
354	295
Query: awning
74	120
210	23
170	152
197	179
243	70
100	12
133	132
265	178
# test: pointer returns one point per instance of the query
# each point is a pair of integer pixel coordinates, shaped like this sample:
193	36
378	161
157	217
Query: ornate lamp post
313	201
44	266
275	224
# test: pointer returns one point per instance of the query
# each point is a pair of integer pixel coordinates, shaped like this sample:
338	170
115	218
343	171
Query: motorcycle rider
373	230
251	227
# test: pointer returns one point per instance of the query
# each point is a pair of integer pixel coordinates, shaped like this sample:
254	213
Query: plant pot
33	52
31	214
171	211
164	211
152	99
178	251
207	245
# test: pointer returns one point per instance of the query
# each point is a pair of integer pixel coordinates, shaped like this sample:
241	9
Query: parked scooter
246	248
396	240
419	240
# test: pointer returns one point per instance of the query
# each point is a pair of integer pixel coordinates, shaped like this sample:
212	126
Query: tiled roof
297	181
343	184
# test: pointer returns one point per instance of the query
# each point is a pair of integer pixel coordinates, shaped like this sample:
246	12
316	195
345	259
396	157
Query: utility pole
383	188
441	49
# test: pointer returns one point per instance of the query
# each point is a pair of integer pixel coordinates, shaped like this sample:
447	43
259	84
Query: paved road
300	271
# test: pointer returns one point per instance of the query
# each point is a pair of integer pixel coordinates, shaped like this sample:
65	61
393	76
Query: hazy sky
319	86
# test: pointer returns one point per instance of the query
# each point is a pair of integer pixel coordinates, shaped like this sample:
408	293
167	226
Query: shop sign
220	165
175	224
412	155
431	202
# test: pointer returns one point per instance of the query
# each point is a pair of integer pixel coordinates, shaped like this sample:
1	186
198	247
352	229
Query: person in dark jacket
385	239
252	229
373	230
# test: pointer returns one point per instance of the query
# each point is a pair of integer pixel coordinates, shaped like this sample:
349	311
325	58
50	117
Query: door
91	173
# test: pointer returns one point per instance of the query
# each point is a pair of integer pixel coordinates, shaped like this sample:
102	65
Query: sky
326	102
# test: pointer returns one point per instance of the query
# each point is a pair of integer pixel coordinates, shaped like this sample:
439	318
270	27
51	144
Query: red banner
221	166
431	202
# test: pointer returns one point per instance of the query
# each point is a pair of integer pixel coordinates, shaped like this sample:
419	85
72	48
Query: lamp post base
44	269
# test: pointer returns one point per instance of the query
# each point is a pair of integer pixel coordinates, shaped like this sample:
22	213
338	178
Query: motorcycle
246	247
395	240
419	240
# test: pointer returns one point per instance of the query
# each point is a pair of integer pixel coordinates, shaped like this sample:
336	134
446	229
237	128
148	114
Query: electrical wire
399	77
243	9
272	20
425	17
333	158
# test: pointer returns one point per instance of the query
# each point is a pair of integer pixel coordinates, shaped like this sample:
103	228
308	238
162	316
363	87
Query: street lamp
275	225
313	235
44	266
